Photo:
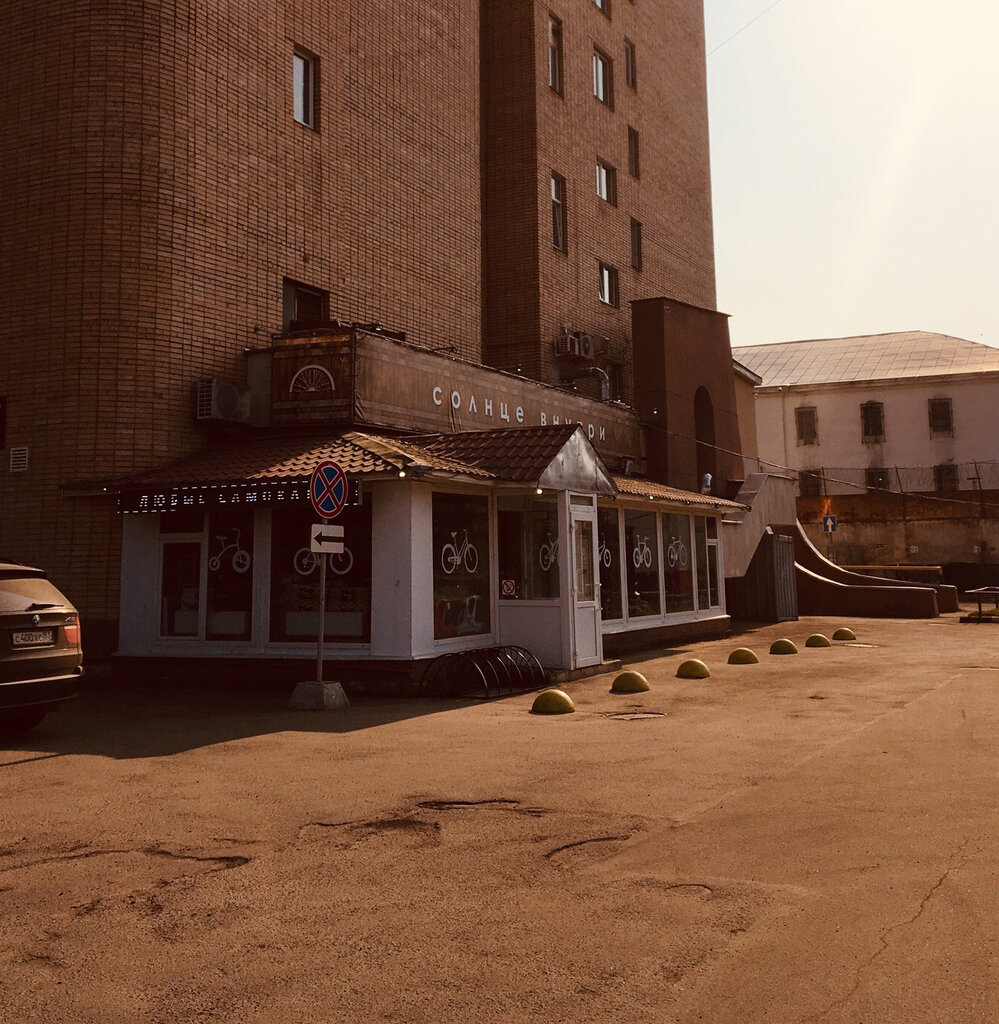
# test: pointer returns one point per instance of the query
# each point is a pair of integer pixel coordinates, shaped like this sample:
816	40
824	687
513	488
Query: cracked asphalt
810	839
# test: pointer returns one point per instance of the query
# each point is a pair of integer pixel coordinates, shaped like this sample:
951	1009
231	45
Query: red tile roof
638	487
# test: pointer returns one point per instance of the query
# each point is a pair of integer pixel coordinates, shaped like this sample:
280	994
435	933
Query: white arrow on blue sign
829	524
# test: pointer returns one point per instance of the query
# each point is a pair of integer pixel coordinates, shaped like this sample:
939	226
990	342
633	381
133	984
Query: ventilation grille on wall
218	399
18	460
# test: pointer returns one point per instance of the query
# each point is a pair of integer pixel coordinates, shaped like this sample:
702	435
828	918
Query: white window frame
603	78
304	88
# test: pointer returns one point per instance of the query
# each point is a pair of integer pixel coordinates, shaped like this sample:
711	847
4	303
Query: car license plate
32	638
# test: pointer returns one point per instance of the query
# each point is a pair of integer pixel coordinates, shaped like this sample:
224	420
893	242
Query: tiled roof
518	454
661	492
866	358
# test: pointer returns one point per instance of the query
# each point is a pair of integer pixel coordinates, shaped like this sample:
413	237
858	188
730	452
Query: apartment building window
304	306
608	292
305	77
636	244
630	68
807	423
607	182
945	477
872	421
941	416
604	5
877	480
810	483
558	213
603	78
555	54
633	165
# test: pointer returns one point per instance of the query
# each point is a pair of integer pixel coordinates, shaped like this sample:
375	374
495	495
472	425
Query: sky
855	166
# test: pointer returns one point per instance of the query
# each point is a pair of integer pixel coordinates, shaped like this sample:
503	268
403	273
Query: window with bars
872	421
941	416
807	424
945	477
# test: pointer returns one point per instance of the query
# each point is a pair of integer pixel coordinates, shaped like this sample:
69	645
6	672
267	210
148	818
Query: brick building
202	180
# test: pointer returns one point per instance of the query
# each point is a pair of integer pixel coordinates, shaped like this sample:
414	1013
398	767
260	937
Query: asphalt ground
809	839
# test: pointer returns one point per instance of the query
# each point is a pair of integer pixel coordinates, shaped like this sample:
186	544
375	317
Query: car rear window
18	593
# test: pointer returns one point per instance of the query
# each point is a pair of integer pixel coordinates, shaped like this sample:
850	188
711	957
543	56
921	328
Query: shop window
872	421
609	563
295	574
708	583
678	570
229	592
461	565
941	416
807	424
641	546
180	593
528	549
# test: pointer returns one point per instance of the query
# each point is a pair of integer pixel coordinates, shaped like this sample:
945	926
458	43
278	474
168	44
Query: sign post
328	490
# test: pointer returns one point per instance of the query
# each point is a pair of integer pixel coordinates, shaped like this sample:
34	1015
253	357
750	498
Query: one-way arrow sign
326	539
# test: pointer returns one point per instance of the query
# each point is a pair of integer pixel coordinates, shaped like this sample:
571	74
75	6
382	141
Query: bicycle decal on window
641	554
306	561
455	554
604	553
676	553
548	553
241	560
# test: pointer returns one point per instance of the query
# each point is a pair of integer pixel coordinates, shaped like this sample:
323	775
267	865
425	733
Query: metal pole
321	631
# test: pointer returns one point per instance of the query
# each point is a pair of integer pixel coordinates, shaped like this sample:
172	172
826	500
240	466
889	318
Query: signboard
328	489
326	539
829	524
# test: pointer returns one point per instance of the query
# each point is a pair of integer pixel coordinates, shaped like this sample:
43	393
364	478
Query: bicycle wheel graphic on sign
455	554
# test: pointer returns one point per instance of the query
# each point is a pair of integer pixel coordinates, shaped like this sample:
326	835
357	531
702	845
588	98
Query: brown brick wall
671	198
155	190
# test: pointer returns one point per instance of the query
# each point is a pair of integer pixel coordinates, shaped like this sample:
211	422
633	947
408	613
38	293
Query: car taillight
72	632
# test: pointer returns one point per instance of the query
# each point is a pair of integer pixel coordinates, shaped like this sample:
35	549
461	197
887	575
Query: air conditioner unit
586	346
567	345
218	399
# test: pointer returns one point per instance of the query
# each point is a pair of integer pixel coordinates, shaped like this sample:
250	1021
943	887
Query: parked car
41	655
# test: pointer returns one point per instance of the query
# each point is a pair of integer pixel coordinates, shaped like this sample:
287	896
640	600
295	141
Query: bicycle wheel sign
328	489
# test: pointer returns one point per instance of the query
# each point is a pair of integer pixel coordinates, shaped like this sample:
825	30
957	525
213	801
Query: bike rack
490	670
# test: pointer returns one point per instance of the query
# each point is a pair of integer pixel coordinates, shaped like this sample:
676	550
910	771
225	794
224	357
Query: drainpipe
597	372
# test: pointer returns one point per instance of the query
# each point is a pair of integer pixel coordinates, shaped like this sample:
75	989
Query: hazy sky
855	166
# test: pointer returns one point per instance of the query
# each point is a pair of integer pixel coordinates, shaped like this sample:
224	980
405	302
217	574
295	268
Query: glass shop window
528	549
229	593
295	578
180	594
678	570
609	563
641	548
461	565
583	539
706	540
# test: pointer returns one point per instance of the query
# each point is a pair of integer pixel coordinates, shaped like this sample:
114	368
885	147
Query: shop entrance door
587	641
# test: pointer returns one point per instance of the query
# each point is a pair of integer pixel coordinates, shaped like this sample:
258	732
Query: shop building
516	194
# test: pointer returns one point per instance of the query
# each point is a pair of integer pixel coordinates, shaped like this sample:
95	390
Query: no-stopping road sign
328	489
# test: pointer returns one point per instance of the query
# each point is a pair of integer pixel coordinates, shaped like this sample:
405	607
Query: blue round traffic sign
328	489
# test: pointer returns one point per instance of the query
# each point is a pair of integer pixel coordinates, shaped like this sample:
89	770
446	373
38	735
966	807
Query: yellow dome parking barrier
693	669
783	646
818	640
844	634
630	682
553	702
743	656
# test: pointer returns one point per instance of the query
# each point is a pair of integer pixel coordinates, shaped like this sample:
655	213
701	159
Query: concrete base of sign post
315	696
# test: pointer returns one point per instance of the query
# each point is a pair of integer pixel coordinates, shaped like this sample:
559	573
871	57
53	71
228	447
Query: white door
587	641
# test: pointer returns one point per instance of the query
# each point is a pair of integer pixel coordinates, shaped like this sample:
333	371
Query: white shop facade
453	540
